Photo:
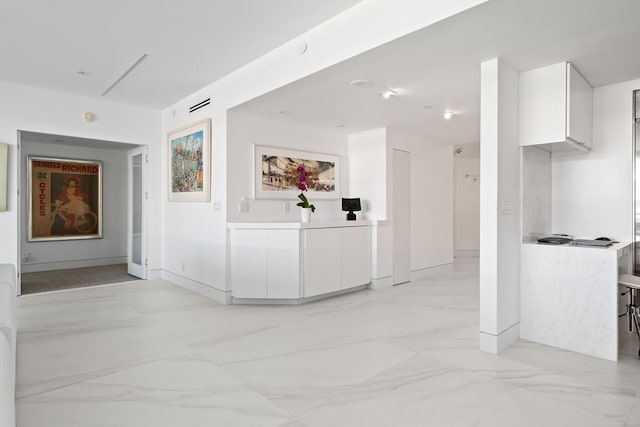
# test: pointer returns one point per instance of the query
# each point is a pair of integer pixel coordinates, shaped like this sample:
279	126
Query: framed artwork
4	166
275	175
65	198
190	163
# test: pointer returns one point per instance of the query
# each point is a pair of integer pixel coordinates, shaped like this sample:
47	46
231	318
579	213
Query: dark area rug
46	281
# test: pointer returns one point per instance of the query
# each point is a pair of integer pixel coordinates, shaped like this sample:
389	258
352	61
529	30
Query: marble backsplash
536	193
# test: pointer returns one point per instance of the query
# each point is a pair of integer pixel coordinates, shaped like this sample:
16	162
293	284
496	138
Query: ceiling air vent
200	105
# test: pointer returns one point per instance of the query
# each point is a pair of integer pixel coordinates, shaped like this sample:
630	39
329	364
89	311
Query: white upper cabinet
556	108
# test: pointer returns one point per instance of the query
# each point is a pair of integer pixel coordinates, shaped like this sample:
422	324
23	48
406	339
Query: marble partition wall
569	296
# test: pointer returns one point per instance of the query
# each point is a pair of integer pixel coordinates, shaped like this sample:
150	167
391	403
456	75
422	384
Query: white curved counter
292	262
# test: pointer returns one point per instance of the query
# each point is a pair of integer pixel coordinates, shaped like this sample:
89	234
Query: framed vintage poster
65	198
4	167
190	163
275	175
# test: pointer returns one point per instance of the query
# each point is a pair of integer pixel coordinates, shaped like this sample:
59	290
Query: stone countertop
617	246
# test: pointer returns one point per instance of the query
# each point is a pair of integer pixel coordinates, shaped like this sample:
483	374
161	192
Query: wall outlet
243	207
26	256
217	206
285	206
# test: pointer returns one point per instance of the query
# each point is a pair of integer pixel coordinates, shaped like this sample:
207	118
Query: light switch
506	207
243	207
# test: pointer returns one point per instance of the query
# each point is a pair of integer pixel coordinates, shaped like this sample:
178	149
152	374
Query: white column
500	233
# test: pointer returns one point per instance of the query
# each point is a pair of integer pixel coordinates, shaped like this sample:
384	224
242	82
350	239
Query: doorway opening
81	212
466	195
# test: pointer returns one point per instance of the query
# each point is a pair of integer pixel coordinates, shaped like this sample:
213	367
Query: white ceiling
195	42
190	43
439	66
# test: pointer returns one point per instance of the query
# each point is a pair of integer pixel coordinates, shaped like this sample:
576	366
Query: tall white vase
305	214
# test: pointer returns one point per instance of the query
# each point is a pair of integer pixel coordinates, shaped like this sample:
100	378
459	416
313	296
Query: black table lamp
351	205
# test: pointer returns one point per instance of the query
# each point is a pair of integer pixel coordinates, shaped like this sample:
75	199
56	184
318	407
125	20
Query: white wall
112	248
500	219
592	193
194	235
367	152
367	171
36	110
431	198
243	131
431	189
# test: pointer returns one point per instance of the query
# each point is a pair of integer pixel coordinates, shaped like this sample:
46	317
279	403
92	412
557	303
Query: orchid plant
302	186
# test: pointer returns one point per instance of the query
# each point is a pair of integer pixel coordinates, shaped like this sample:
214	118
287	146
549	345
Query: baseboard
382	283
223	297
424	272
155	274
64	265
467	253
293	301
496	344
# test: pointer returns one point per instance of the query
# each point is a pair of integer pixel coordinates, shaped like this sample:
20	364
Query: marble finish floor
153	354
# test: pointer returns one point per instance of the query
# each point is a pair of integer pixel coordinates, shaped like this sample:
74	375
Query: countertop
619	246
291	225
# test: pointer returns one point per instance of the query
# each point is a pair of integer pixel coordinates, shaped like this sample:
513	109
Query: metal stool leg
636	321
632	310
631	284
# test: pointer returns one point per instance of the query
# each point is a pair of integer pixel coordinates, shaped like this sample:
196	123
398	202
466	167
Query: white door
401	269
137	201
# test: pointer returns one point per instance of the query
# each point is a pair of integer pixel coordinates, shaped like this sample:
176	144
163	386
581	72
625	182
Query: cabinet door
356	256
322	259
542	105
283	260
248	263
579	107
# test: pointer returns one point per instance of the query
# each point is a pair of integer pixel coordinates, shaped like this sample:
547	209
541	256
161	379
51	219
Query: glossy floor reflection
153	354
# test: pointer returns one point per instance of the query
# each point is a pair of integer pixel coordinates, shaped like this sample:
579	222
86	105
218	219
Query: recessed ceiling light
361	83
340	125
448	115
81	72
59	140
387	93
428	107
285	112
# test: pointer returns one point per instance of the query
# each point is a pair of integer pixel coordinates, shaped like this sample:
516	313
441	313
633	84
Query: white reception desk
569	296
293	262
